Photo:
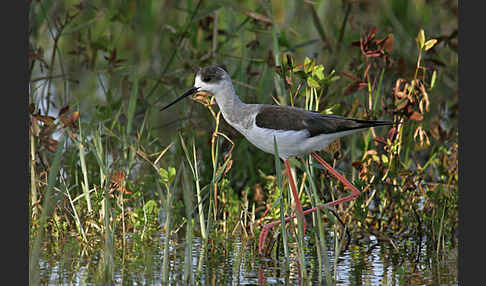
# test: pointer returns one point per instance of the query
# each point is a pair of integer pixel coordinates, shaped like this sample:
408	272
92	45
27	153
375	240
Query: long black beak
191	91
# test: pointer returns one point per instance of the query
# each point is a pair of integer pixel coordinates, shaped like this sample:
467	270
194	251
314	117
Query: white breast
290	143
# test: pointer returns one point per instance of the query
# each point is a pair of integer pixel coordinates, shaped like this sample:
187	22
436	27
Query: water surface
234	261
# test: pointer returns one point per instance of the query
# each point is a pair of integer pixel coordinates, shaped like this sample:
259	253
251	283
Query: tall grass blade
219	173
131	106
188	204
200	262
278	82
47	207
168	228
108	251
213	187
82	159
320	226
98	147
33	185
378	89
76	216
278	173
439	236
199	196
319	27
195	174
107	265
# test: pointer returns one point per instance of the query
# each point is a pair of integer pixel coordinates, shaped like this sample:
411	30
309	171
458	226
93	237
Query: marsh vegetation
122	193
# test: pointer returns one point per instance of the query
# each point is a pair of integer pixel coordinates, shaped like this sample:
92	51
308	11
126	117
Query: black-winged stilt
297	131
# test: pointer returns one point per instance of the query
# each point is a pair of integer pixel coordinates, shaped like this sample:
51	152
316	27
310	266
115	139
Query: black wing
291	118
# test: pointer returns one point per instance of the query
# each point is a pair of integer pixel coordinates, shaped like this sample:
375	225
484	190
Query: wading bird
297	132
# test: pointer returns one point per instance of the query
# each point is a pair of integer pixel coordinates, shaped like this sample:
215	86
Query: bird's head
208	81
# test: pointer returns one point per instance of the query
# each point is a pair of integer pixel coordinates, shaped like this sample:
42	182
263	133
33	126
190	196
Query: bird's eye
206	78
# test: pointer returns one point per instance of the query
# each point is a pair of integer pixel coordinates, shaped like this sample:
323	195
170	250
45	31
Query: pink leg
354	194
298	206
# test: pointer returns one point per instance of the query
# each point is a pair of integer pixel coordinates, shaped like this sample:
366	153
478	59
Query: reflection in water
235	262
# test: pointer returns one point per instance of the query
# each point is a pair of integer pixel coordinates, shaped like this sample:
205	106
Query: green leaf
308	65
332	77
318	72
151	207
219	173
171	173
429	44
432	81
163	173
168	175
277	202
384	159
420	39
329	110
312	83
297	69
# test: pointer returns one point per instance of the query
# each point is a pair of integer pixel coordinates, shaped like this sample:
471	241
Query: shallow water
233	261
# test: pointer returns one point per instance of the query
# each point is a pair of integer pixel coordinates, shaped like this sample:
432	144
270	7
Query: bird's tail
374	123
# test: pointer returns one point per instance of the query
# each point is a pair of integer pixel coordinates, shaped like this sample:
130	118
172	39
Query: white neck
228	102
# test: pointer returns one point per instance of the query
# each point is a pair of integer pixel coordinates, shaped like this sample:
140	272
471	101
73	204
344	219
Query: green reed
188	193
317	217
278	174
193	164
47	208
